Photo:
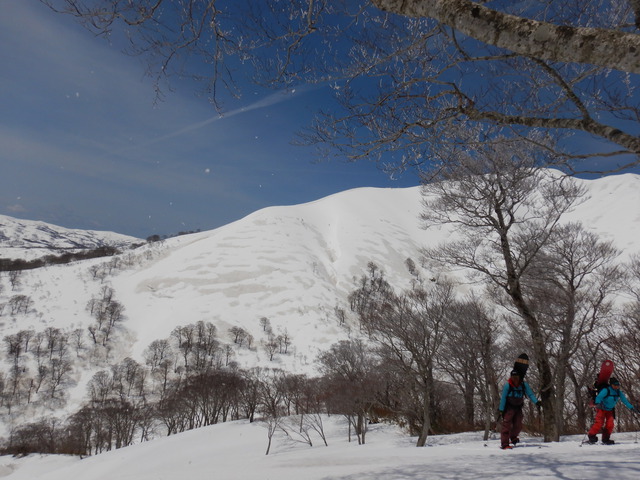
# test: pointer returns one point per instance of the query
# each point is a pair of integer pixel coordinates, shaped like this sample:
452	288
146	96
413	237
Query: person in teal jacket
605	402
511	403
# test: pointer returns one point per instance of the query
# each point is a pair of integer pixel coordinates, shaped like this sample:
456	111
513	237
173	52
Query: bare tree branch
525	36
414	85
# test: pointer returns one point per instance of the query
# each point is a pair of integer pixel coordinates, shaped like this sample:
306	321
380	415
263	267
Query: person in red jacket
605	403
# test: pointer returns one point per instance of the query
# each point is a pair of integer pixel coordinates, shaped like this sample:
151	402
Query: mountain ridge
30	239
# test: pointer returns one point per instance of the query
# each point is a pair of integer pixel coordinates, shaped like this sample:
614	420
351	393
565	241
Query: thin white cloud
268	101
17	208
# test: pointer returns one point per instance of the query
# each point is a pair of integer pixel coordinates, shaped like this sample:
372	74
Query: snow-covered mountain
295	264
28	239
292	265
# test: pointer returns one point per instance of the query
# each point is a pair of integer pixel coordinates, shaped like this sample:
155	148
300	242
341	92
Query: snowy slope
292	265
612	209
236	451
28	239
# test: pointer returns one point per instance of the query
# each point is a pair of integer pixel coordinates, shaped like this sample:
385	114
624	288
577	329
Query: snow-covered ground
236	451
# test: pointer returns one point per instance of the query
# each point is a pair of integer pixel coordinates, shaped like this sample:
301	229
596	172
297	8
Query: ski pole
637	419
584	439
539	407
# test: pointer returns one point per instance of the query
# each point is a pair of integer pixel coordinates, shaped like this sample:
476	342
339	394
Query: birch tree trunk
558	43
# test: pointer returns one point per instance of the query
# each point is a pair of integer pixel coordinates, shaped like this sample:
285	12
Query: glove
539	406
500	414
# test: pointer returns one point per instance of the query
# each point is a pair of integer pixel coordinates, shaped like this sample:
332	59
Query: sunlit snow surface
236	450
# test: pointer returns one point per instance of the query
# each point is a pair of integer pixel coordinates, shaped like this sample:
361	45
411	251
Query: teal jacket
513	396
608	398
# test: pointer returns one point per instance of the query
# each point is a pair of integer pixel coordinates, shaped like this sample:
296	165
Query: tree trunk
524	36
426	423
469	404
547	394
514	290
581	411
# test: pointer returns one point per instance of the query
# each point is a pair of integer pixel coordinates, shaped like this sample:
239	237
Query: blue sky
84	145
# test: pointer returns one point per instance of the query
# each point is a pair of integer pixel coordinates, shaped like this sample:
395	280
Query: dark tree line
10	265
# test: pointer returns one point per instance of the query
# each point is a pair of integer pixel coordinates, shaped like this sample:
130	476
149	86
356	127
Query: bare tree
271	391
184	338
350	368
117	406
77	341
297	429
271	345
408	329
469	357
159	356
128	379
265	323
198	345
505	210
98	272
114	316
206	352
633	268
238	334
228	354
249	339
108	314
401	69
15	349
250	392
284	339
20	304
50	349
100	387
14	278
59	376
571	286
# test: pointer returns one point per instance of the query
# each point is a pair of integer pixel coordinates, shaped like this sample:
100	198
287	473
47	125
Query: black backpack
595	389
